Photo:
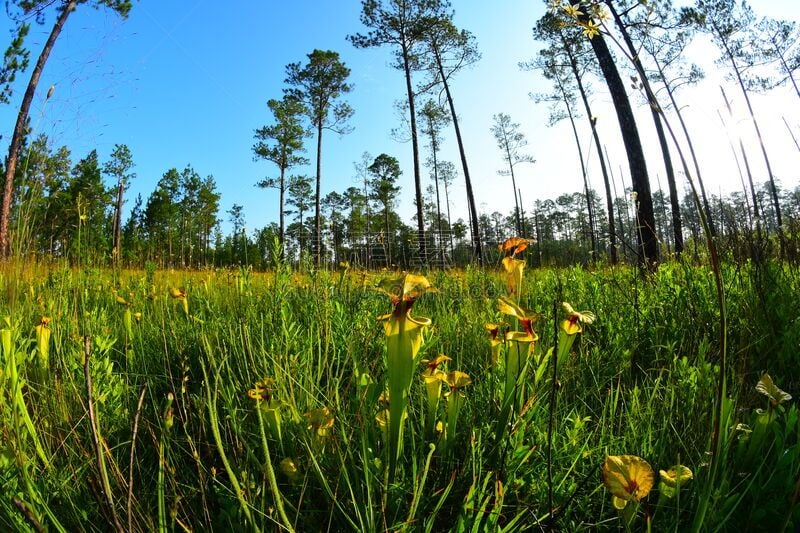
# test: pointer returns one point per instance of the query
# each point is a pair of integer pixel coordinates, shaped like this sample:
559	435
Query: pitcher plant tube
403	342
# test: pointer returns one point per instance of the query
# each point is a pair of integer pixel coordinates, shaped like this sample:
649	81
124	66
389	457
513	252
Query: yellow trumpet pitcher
433	378
43	341
403	341
180	295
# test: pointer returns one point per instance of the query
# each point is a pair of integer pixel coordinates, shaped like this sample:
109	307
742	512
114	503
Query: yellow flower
405	288
572	325
675	476
403	341
262	390
590	28
599	12
628	478
43	340
119	299
513	268
320	420
432	372
457	380
289	468
176	293
768	388
572	11
526	317
495	340
514	245
180	295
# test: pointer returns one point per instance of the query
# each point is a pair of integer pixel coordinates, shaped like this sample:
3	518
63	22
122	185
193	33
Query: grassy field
314	401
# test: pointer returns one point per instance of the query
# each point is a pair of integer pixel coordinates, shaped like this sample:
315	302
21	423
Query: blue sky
186	83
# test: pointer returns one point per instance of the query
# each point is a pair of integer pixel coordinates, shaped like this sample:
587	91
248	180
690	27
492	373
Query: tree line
51	206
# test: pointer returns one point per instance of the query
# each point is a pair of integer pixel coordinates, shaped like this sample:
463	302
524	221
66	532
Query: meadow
318	401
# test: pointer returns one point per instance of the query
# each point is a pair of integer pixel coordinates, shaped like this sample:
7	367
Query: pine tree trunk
19	128
655	110
318	226
117	252
773	187
647	243
473	210
593	123
513	186
423	252
583	170
282	214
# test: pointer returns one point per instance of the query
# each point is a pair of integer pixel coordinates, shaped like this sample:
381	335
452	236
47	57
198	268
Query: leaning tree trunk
647	243
773	187
473	211
746	161
689	143
19	127
655	110
423	249
609	199
583	170
514	187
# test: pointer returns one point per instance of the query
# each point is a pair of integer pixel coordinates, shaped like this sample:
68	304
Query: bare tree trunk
282	215
423	252
317	222
19	127
647	243
449	222
117	252
773	187
583	170
513	185
655	110
609	200
473	210
746	162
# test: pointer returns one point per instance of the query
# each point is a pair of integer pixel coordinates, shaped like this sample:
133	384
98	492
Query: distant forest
57	204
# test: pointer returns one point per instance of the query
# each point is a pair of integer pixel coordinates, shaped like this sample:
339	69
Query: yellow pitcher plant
433	378
403	341
43	342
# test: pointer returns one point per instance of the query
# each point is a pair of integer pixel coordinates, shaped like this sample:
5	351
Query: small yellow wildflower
526	317
590	28
177	293
572	11
572	325
628	478
320	420
675	476
768	388
457	380
289	468
262	390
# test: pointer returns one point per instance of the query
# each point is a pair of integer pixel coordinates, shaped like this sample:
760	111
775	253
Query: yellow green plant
433	377
182	297
43	342
456	381
629	479
403	341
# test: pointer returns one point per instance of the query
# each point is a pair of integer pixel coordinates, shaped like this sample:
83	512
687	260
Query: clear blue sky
186	82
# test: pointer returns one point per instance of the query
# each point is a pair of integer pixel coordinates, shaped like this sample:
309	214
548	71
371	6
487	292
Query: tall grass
308	452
